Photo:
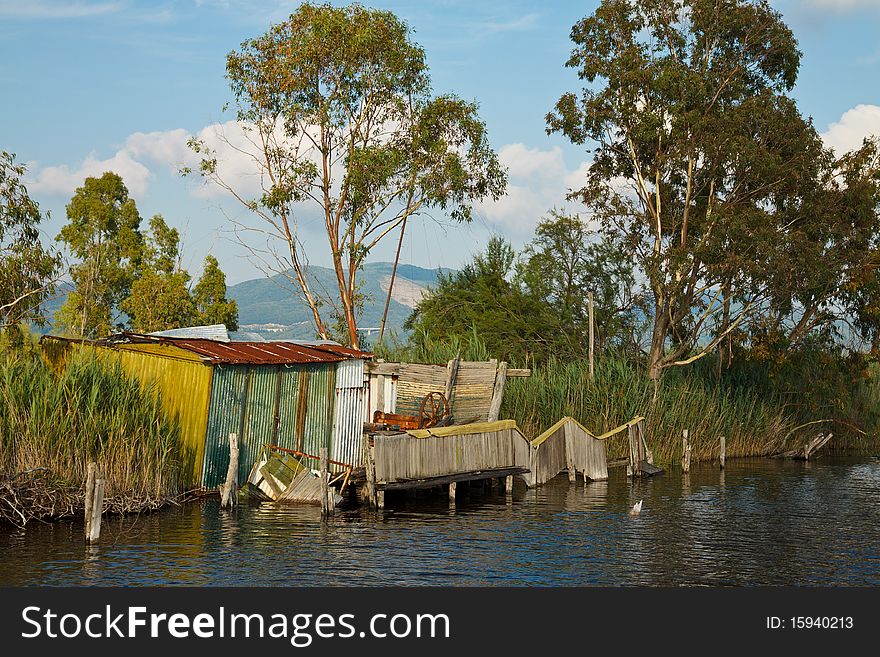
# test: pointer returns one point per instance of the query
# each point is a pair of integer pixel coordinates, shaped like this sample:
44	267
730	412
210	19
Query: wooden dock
482	450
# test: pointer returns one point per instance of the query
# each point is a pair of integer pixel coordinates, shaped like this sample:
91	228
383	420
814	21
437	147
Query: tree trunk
658	344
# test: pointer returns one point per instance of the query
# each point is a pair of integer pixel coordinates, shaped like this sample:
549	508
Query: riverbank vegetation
54	423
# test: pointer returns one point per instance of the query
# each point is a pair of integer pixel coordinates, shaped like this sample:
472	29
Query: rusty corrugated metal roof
254	353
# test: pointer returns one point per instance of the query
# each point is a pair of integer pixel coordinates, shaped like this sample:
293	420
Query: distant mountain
272	306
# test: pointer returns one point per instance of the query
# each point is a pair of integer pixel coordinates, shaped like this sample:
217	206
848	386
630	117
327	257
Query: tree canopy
703	168
102	233
336	102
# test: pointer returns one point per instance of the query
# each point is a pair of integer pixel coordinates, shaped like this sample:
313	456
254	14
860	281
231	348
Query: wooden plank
519	372
430	482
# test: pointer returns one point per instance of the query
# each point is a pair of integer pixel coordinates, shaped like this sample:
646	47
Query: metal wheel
433	408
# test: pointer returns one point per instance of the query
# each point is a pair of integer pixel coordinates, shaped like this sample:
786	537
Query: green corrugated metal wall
247	400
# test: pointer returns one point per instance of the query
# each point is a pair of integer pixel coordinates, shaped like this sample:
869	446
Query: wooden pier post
451	376
326	503
452	493
722	451
91	469
97	511
498	392
508	484
229	490
685	452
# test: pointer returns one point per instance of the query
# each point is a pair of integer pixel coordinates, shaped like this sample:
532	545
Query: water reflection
756	522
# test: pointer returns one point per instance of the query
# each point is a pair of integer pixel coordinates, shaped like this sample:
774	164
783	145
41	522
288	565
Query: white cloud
62	180
538	181
56	8
857	123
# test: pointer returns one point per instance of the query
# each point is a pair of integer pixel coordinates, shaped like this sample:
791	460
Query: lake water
759	522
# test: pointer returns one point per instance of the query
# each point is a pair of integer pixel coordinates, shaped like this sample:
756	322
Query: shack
300	396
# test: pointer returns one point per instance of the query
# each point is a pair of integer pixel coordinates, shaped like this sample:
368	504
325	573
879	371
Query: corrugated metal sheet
291	410
290	406
319	411
349	413
211	332
253	353
225	416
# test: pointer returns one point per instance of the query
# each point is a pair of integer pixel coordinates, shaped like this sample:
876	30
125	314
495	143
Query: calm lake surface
760	522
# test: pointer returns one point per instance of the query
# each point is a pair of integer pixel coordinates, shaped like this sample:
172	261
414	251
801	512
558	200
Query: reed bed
752	427
753	424
54	424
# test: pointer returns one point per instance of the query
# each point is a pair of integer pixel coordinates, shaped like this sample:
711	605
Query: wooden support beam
722	451
229	490
97	511
452	487
431	482
91	470
451	376
569	452
498	392
508	484
326	501
685	452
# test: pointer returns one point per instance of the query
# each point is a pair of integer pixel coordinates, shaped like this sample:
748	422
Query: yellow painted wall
181	378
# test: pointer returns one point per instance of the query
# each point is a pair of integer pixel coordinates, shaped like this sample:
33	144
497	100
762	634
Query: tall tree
563	264
337	105
27	268
102	233
160	297
698	153
209	296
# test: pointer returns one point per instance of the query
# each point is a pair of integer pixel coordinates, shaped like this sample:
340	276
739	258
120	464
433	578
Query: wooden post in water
97	511
508	484
498	392
325	483
229	490
722	451
685	452
452	493
592	337
91	468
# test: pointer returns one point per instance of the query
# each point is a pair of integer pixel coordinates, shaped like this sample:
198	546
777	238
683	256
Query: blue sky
95	85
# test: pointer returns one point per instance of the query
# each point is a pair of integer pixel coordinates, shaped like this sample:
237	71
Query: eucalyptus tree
699	154
337	107
103	235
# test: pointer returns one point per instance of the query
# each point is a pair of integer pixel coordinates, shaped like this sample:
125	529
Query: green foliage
340	100
159	298
27	268
209	297
705	172
102	233
89	411
482	298
563	264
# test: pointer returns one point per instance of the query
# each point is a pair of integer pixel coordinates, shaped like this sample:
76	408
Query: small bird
637	508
